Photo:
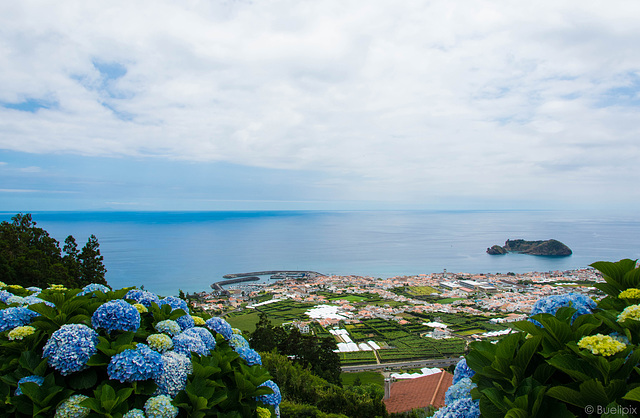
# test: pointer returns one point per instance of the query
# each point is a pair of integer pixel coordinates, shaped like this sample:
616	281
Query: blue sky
243	105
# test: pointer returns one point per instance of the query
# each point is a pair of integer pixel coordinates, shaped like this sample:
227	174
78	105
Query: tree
30	257
91	267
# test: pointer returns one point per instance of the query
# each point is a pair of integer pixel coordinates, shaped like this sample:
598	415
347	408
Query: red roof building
408	394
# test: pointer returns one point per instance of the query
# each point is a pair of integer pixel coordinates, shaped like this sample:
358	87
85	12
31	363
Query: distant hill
549	247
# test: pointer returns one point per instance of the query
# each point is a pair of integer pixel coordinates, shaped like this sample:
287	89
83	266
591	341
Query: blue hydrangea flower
249	355
32	300
70	347
462	408
93	287
205	335
220	326
186	322
131	365
134	413
189	343
462	389
160	407
461	371
272	398
236	341
71	408
175	303
4	296
38	380
116	315
168	327
19	300
35	290
143	297
15	317
176	368
583	304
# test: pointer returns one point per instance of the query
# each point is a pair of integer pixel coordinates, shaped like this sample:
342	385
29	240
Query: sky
265	105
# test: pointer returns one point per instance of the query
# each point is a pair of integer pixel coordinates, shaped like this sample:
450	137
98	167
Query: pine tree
91	267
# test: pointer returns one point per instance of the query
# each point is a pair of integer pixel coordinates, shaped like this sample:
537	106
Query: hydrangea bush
574	357
124	353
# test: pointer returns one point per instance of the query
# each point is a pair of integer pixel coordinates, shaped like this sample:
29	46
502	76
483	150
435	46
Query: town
381	321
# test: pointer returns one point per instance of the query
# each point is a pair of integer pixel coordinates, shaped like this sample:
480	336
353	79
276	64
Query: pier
279	274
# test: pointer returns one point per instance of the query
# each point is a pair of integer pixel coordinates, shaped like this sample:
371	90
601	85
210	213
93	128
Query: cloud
396	101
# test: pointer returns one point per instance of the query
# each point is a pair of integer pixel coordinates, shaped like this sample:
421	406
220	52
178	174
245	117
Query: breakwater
218	285
282	273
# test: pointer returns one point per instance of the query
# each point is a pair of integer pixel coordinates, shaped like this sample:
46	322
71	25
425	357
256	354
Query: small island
550	247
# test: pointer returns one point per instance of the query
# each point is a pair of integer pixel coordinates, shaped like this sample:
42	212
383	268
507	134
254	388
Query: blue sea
167	251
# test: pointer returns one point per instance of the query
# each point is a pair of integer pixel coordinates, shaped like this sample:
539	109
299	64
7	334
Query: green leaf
567	395
593	391
83	380
517	413
633	395
526	352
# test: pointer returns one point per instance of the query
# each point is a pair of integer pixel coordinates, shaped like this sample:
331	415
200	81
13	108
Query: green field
350	298
449	300
422	290
365	378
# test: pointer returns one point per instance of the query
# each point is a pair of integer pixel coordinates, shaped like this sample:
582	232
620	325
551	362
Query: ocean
167	251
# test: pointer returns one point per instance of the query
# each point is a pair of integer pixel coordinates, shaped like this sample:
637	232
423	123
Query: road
441	362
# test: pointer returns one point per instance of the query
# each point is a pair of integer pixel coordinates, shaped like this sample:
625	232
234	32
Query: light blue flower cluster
168	327
175	303
160	407
205	335
186	322
71	408
237	341
189	343
249	355
16	316
35	290
583	304
70	347
462	389
93	287
134	413
462	408
19	300
32	300
274	398
4	296
458	397
117	315
220	326
131	365
143	297
461	371
38	380
176	368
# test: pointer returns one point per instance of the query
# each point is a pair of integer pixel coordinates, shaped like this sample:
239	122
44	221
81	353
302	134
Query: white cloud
394	100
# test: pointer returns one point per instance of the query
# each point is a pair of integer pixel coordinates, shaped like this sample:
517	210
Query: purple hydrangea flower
15	317
131	365
70	347
186	322
274	398
186	344
38	380
249	355
143	297
461	371
93	287
220	326
205	335
116	315
583	304
175	303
